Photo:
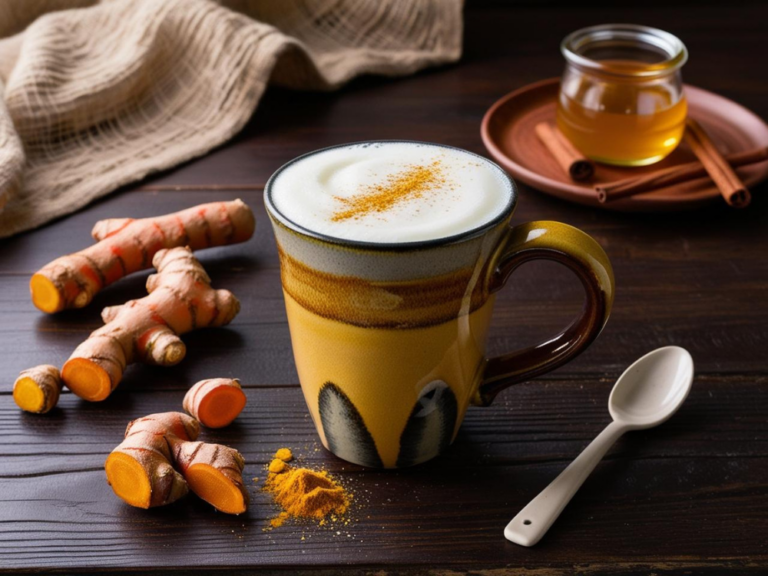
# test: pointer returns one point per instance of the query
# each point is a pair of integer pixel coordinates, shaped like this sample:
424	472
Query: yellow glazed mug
389	339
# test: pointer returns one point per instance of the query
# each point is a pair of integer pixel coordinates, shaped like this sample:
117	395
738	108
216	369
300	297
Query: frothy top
390	192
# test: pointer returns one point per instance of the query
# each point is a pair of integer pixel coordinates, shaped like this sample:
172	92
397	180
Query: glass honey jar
621	96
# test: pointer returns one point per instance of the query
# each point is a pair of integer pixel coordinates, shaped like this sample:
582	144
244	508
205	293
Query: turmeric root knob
215	402
139	470
215	474
37	389
147	330
126	245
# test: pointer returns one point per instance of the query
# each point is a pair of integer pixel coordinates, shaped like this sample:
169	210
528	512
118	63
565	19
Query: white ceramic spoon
648	393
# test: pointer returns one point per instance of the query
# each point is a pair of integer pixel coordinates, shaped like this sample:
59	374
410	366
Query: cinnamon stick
673	175
729	184
575	164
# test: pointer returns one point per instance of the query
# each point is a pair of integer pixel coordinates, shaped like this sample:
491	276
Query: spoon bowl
653	388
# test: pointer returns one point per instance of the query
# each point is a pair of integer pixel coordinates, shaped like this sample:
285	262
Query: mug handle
546	240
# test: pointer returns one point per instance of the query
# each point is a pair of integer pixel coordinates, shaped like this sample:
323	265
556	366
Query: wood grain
689	497
697	472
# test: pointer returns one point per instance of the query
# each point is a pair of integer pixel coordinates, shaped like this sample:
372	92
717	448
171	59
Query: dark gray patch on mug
344	428
429	429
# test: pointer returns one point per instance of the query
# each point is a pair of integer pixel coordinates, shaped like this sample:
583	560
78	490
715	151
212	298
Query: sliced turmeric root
144	481
28	395
216	402
214	473
139	470
129	479
147	330
86	378
37	389
45	295
220	409
126	245
215	488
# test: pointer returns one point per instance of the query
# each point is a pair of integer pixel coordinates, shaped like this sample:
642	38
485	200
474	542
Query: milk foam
467	193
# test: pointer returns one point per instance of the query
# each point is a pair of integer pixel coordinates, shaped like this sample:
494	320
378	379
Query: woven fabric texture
95	95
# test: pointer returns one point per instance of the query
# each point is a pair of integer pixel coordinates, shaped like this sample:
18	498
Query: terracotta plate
507	132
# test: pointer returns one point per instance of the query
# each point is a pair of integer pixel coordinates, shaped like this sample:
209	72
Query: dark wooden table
688	497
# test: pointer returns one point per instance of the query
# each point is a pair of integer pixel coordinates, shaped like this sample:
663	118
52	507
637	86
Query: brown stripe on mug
382	304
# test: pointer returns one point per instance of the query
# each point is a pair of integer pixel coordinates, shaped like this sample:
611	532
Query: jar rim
674	49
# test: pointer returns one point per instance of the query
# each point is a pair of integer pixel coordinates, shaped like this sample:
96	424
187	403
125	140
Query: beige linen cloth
97	94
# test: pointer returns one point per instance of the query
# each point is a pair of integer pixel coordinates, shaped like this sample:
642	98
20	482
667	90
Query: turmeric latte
390	192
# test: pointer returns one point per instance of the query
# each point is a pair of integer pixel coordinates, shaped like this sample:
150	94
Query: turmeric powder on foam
303	493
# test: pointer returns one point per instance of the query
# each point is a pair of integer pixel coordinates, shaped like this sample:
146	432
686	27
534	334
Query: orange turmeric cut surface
28	395
220	407
215	488
45	295
129	480
86	379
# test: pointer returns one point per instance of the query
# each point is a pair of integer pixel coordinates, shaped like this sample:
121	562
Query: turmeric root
141	469
126	245
214	472
37	389
215	402
180	299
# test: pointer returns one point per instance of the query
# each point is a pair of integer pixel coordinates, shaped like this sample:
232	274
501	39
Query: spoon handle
534	520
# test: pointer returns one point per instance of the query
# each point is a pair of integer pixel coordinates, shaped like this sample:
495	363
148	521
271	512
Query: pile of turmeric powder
303	493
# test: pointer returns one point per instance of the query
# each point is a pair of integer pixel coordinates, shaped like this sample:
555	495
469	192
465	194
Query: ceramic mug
389	339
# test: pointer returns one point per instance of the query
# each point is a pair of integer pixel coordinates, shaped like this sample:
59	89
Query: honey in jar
621	99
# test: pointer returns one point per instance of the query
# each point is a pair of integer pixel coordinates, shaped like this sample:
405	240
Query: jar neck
626	51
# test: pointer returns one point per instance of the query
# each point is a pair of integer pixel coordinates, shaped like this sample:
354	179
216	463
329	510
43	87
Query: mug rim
391	246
